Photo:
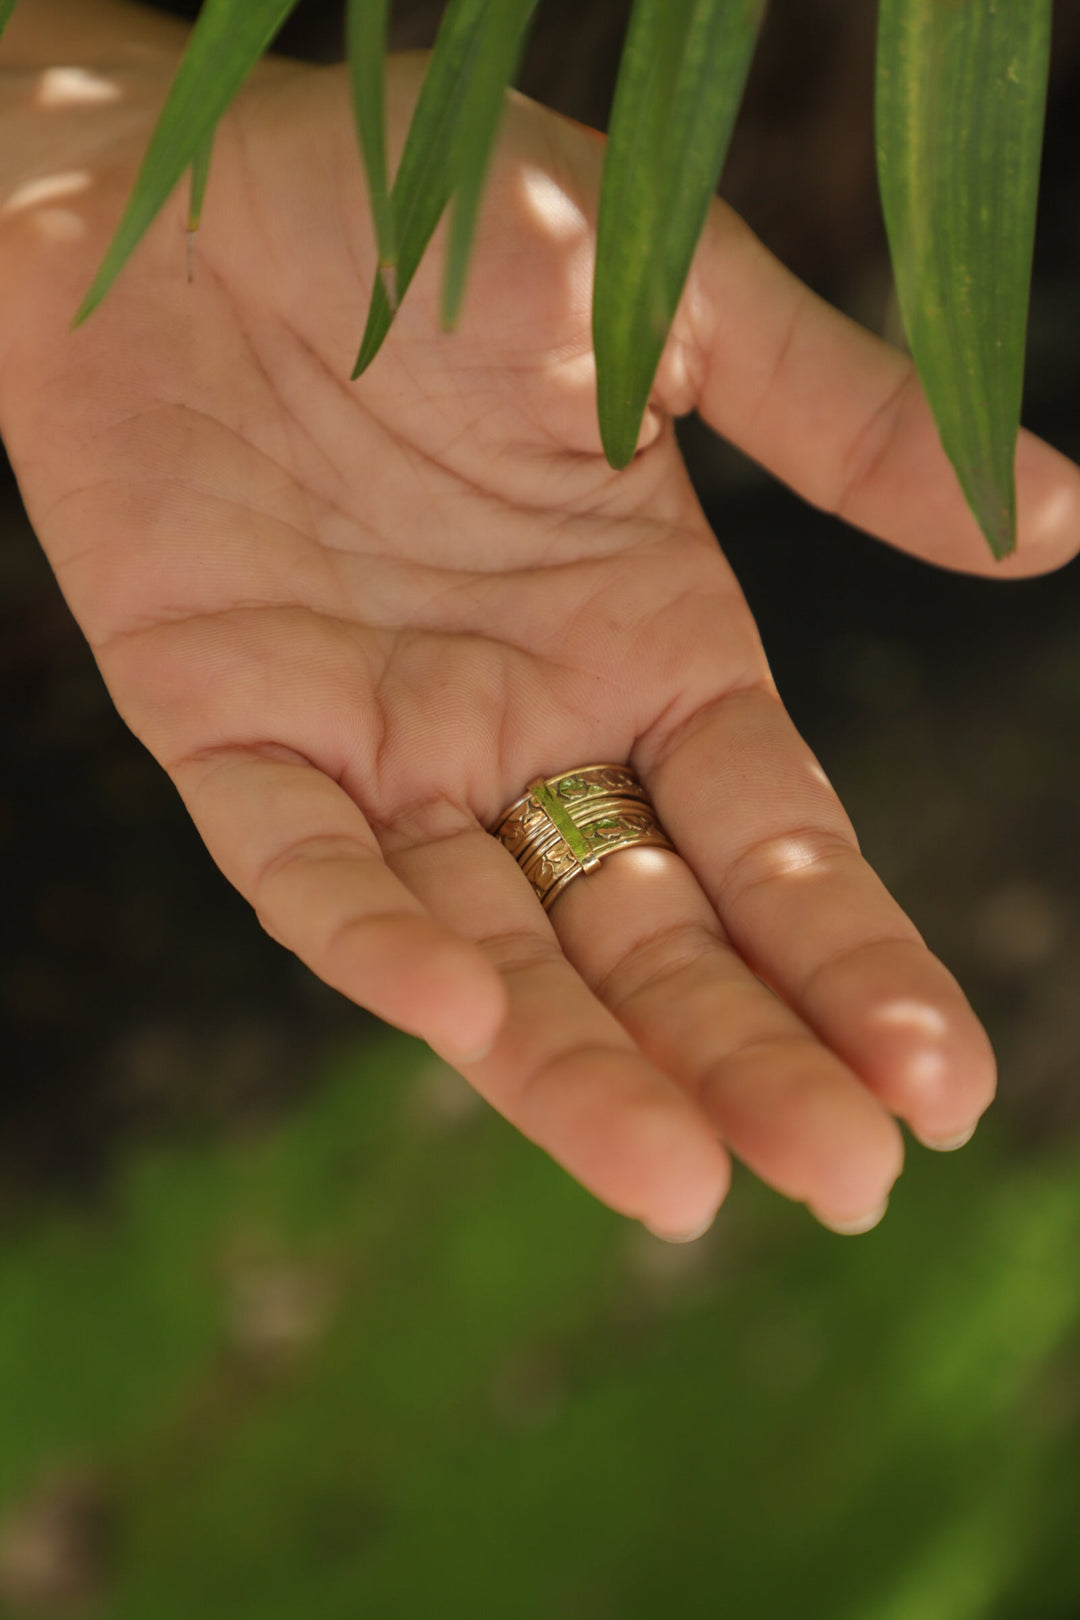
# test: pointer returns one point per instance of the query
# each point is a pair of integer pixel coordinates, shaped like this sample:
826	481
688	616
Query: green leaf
6	8
427	173
200	171
961	94
225	44
680	82
367	22
498	55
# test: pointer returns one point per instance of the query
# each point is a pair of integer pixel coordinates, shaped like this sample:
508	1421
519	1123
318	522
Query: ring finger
644	936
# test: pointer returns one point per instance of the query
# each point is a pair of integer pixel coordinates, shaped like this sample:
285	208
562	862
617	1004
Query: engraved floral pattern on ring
562	826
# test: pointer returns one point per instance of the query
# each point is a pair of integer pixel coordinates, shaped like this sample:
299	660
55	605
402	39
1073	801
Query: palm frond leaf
961	95
367	22
498	56
6	8
427	173
680	83
227	40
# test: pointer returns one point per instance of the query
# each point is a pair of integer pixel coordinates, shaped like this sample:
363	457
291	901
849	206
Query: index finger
300	850
840	415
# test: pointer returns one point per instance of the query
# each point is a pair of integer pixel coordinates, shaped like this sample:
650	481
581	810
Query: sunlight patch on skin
642	864
58	225
925	1066
553	208
1056	515
75	87
637	885
49	189
560	253
926	1071
790	857
37	198
916	1016
818	775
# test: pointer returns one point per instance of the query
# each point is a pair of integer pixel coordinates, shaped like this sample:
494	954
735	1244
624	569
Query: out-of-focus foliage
385	1358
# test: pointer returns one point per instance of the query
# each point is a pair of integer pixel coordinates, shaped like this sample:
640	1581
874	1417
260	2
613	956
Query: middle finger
562	1069
644	936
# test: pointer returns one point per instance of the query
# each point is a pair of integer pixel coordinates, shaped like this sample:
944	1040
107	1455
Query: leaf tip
450	315
388	280
368	351
86	308
1002	542
453	295
994	510
619	439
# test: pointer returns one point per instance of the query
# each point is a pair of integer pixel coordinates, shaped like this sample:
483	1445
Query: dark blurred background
143	1011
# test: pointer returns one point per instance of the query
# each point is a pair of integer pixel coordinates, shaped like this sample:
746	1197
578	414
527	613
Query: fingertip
857	1225
946	1144
629	1134
425	980
939	1076
470	1006
691	1236
685	1173
863	1201
900	1020
1048	490
960	1084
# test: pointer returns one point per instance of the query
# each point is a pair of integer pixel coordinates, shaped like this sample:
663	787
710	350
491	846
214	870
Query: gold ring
563	826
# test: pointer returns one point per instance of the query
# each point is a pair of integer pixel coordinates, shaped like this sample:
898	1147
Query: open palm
354	620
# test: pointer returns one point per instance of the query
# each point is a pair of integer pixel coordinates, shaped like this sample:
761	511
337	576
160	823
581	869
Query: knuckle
779	856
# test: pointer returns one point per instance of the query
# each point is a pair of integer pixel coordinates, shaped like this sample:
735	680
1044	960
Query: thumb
839	414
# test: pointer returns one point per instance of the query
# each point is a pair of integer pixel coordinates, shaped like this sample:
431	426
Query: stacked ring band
563	826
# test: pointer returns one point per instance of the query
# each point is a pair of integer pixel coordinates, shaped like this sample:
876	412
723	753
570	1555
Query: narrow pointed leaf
426	174
224	45
680	83
367	22
498	54
961	94
200	171
6	8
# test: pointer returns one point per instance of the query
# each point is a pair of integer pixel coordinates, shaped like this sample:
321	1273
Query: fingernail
458	1059
946	1144
864	1223
477	1056
681	1237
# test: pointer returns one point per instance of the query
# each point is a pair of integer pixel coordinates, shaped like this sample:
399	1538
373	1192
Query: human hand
354	620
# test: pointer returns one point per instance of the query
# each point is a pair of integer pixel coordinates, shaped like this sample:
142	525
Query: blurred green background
292	1325
384	1358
